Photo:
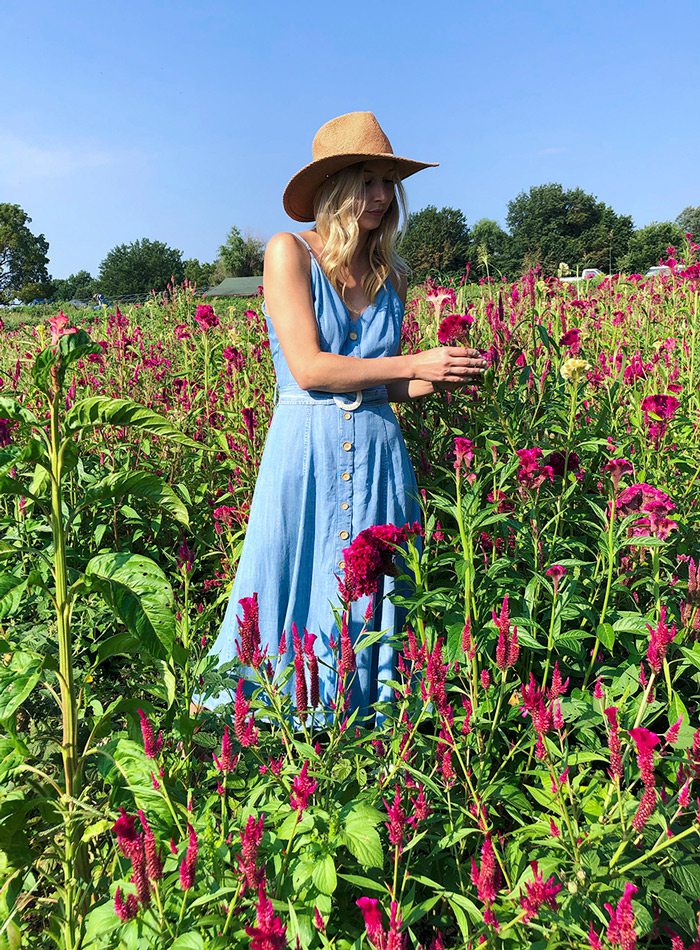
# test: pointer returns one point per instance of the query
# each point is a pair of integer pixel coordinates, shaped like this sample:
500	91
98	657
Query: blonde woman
335	461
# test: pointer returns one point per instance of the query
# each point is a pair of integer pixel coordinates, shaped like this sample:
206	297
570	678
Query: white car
663	269
586	274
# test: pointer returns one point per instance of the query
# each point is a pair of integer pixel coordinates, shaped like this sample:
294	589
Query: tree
436	242
549	225
490	246
23	255
80	286
689	222
140	267
199	274
648	245
240	256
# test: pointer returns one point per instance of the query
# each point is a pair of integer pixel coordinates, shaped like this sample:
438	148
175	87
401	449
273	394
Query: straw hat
345	140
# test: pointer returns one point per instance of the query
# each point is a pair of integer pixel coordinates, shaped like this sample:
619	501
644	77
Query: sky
175	120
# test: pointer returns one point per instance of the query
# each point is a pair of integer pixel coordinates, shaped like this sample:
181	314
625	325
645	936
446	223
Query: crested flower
59	327
464	453
303	788
574	370
454	329
206	318
370	556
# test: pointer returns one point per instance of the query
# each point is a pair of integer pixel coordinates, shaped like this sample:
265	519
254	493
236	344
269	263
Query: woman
335	461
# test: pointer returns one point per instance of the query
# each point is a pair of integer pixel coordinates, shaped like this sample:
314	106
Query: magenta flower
369	557
616	468
662	406
125	911
454	328
660	637
302	789
312	661
486	879
270	932
245	730
151	745
227	762
251	836
507	648
464	453
538	892
614	744
646	741
346	664
301	695
397	821
154	861
59	327
188	865
206	318
249	649
621	931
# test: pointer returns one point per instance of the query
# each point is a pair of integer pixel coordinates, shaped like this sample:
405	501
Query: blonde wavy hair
338	203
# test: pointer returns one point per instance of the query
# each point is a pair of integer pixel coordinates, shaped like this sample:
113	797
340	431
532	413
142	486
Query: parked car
586	274
664	269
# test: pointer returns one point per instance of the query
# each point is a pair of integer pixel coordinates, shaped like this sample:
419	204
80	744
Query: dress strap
303	242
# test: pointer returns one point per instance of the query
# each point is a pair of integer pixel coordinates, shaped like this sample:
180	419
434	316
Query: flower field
535	782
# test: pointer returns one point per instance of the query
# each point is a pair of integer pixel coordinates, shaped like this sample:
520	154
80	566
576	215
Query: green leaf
96	829
11	590
16	686
142	485
14	410
189	941
101	410
606	635
678	909
139	593
688	876
324	876
363	842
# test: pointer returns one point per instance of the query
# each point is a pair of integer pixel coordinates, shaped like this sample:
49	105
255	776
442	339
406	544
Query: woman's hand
450	364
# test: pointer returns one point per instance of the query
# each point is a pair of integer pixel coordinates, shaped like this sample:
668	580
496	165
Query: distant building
235	287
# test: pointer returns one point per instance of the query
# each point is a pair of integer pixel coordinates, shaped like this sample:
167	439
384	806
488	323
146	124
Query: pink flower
538	892
189	862
151	745
302	789
369	557
621	930
270	933
59	327
454	328
556	572
616	468
646	741
301	694
227	762
125	911
249	648
662	406
397	821
206	318
614	744
660	637
671	736
251	836
464	453
154	862
346	664
372	914
507	648
245	730
312	661
486	878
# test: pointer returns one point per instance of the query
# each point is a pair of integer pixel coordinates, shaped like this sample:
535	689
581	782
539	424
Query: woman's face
379	192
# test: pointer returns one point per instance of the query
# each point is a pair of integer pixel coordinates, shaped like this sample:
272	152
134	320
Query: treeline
560	230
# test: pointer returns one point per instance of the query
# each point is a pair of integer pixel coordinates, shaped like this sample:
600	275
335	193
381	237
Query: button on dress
329	469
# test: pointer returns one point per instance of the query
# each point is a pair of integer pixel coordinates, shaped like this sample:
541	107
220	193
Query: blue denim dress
332	465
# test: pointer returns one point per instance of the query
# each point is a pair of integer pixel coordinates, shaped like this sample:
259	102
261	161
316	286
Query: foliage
549	225
23	256
199	274
533	781
689	221
239	256
648	245
140	267
81	286
436	242
489	248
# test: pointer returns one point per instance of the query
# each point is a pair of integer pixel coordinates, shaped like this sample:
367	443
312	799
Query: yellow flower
574	370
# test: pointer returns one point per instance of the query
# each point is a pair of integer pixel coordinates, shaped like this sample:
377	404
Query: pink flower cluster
454	328
248	645
379	938
487	880
544	716
658	411
269	933
538	892
653	504
146	862
507	648
206	318
646	741
370	556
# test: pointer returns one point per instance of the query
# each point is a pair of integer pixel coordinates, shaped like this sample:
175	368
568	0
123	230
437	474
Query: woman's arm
405	391
289	303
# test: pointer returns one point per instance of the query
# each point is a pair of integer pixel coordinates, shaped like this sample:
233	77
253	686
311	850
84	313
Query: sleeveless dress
333	464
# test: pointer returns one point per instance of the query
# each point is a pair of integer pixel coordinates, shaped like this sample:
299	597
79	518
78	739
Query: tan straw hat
345	140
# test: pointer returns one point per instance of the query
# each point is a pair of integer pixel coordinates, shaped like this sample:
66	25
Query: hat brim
298	197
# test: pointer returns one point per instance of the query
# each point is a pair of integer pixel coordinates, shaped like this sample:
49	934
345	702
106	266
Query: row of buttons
346	445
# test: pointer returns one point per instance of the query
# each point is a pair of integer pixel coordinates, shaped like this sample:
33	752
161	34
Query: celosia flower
646	741
205	317
454	328
614	744
249	649
507	648
59	327
312	661
227	762
346	664
572	339
125	911
573	370
270	932
397	821
660	636
621	931
151	745
464	453
251	836
538	892
188	865
671	736
301	695
245	730
616	468
369	557
303	788
486	878
556	572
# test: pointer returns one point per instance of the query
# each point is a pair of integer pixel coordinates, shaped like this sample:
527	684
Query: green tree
240	256
140	267
689	222
648	245
80	286
23	256
490	248
436	242
199	274
549	225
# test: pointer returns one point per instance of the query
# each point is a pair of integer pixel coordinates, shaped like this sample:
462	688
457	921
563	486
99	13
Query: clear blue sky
176	119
